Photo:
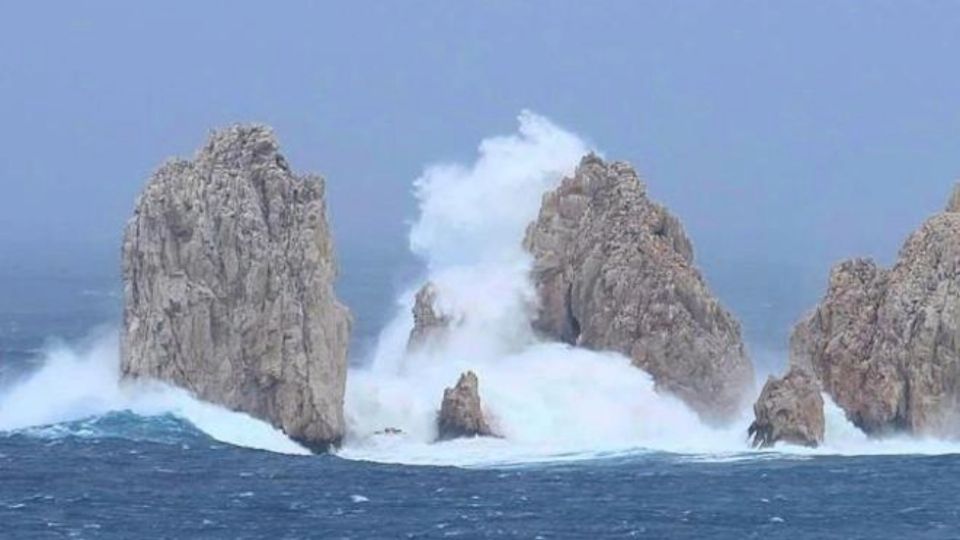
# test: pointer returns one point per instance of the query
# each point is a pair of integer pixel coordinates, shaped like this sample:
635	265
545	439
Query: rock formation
228	273
461	414
614	271
885	344
429	323
790	409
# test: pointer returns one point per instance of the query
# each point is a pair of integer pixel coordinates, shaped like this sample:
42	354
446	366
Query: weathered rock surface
790	409
228	271
614	271
429	324
461	413
885	344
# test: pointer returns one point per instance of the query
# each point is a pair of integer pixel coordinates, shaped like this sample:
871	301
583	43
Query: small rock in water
461	413
789	409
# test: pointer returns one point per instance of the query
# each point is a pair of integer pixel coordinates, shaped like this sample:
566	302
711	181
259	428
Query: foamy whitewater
83	382
551	402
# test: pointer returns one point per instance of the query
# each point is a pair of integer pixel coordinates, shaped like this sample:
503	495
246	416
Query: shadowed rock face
614	271
461	414
790	409
228	272
885	344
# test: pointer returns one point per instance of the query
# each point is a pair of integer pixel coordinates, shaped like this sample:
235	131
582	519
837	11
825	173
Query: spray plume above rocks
519	271
614	271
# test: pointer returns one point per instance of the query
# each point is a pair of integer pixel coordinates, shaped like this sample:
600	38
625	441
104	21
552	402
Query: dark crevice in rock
572	326
614	271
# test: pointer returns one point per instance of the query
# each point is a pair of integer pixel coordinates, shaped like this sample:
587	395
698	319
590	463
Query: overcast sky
784	135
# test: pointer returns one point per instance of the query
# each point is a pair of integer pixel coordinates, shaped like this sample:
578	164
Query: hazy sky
785	135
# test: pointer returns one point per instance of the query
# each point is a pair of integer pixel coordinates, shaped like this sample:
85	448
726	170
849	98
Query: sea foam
82	381
551	402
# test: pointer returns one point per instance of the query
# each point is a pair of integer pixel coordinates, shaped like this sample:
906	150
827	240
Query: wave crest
76	391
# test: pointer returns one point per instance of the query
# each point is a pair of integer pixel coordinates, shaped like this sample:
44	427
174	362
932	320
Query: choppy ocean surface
145	473
589	450
122	476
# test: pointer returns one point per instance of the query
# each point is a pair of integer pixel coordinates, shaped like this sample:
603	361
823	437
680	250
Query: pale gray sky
785	135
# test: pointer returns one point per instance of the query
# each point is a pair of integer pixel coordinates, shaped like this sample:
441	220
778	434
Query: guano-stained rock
790	409
614	271
461	413
885	344
228	271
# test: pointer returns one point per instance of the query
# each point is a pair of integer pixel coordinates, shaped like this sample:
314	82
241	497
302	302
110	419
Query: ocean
589	448
175	469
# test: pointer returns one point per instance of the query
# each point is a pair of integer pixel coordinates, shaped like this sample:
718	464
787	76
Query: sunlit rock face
614	271
790	410
228	270
430	324
461	412
885	343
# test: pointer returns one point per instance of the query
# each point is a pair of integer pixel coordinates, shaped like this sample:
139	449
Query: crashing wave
76	390
553	403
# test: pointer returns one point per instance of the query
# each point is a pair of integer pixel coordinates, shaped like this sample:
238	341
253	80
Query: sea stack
790	410
461	413
614	271
885	343
228	271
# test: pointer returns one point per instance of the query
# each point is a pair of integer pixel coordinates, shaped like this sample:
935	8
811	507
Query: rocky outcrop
614	271
790	409
885	344
429	324
461	413
228	273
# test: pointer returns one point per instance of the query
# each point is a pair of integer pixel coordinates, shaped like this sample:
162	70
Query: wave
76	392
551	403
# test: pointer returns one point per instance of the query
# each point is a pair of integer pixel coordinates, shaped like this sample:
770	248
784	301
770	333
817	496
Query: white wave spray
80	382
549	401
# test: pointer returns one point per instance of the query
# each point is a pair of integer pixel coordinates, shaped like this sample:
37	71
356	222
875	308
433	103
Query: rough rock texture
429	324
228	276
461	414
885	344
615	271
790	409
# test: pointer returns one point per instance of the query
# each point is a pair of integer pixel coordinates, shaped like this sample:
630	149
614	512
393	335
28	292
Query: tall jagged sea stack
228	271
615	271
884	344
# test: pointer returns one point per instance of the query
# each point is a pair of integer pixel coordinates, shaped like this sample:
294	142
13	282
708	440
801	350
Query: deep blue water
173	481
127	476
